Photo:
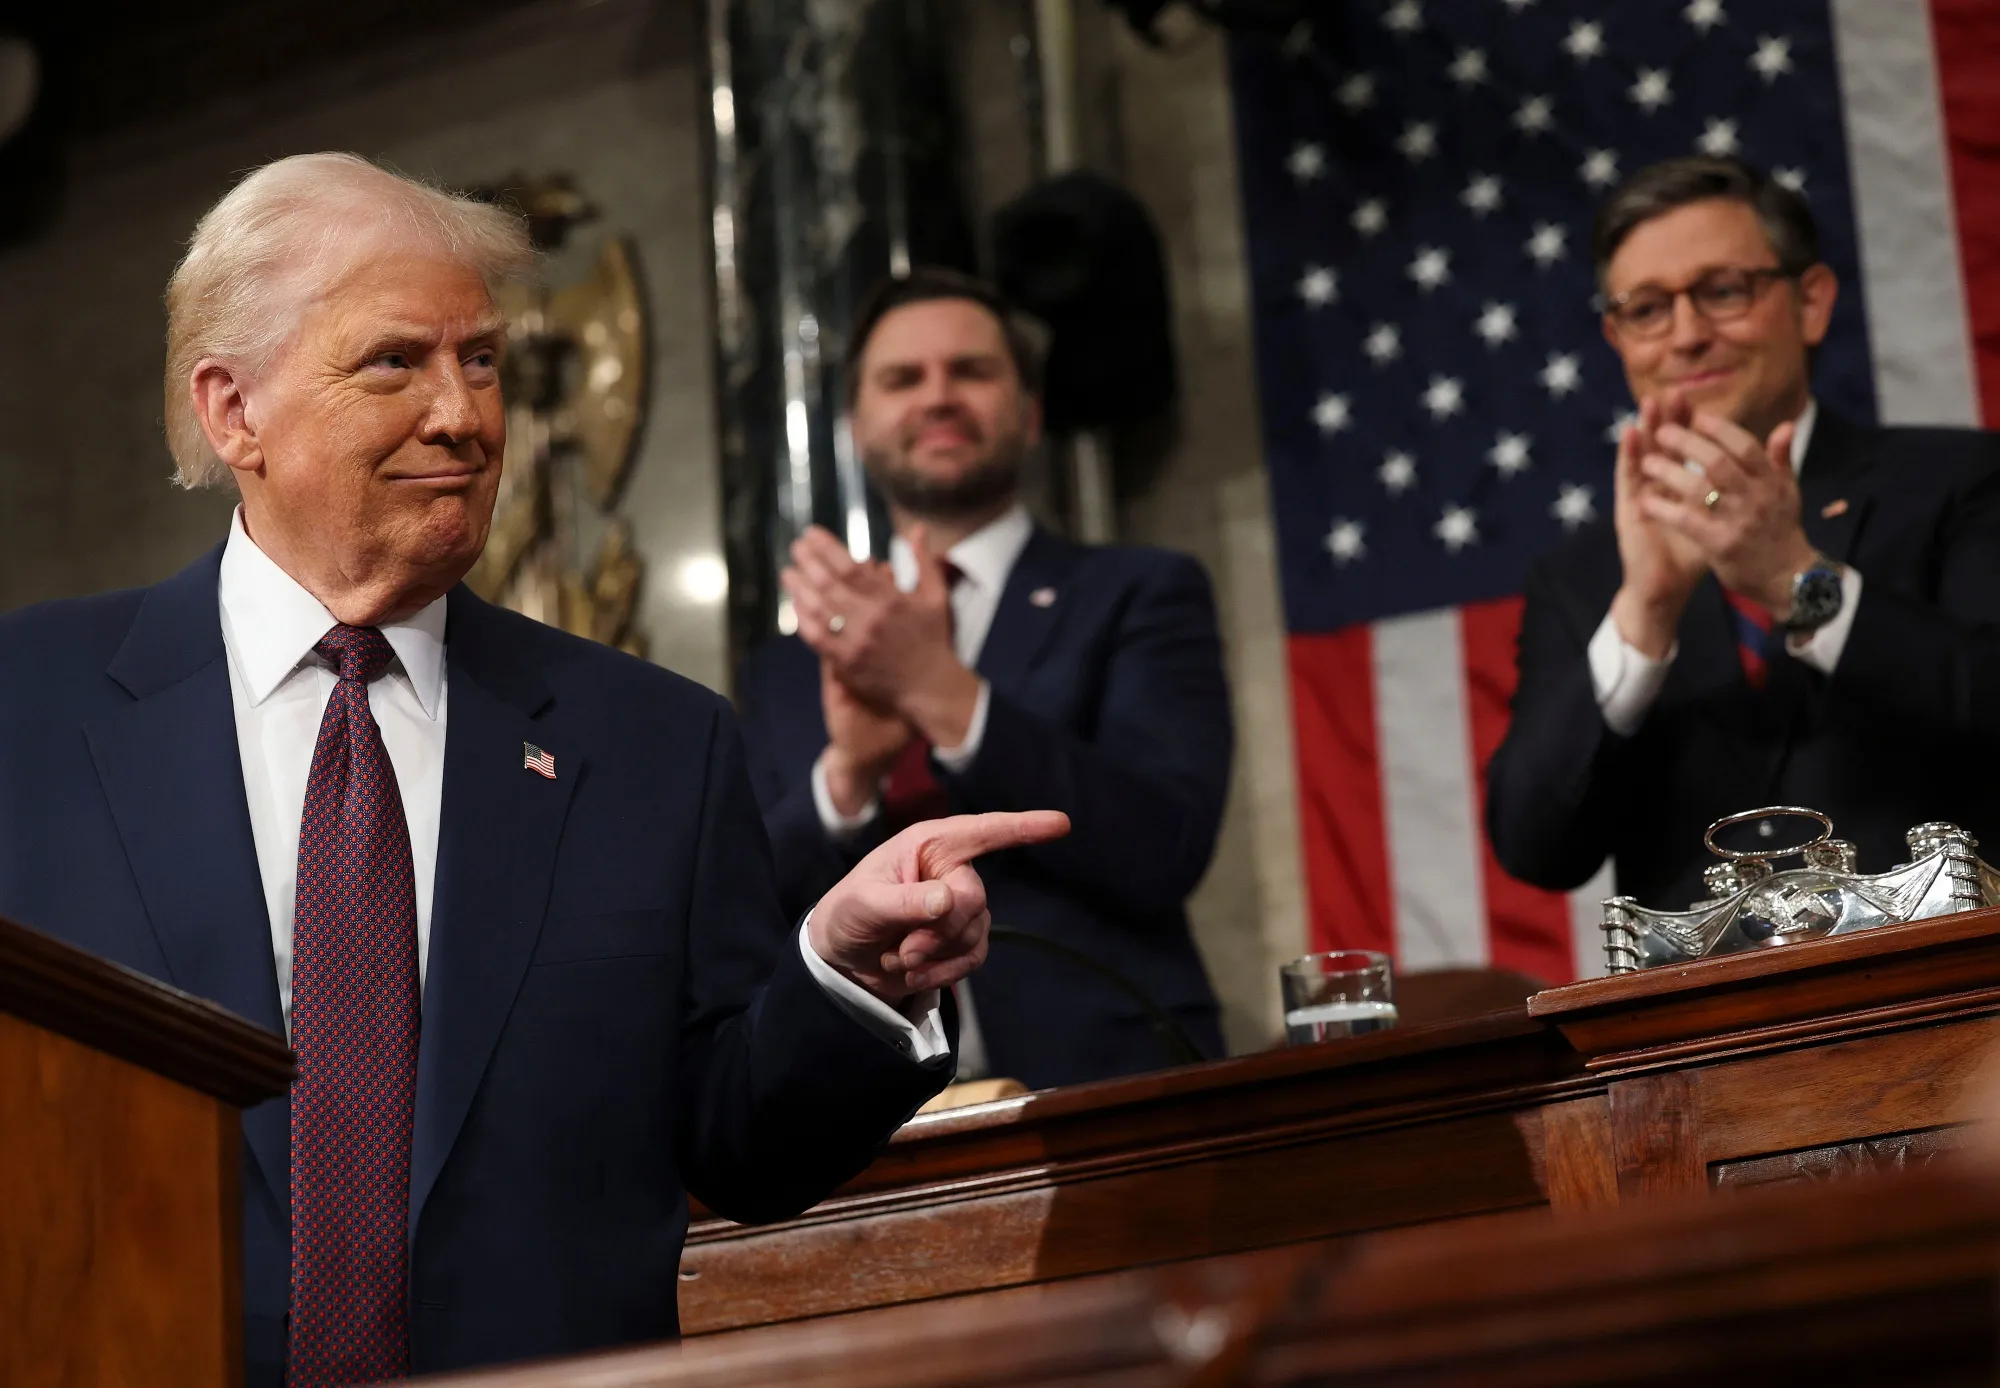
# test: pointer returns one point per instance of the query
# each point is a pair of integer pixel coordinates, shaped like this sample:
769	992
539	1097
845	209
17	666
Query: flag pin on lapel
1043	597
535	759
1834	508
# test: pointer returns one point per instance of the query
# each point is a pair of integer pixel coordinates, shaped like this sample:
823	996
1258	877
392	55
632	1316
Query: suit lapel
1031	607
171	771
497	838
1834	463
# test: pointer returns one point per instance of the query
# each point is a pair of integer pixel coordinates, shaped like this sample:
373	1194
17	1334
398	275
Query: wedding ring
836	624
1714	495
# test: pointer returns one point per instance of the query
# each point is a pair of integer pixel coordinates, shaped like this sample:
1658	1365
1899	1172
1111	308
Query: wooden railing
1834	1055
1869	1281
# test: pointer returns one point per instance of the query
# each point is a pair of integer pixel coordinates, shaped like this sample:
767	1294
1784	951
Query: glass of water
1344	992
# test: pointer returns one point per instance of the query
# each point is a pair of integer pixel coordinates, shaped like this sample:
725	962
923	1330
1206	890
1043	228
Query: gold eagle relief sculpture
575	382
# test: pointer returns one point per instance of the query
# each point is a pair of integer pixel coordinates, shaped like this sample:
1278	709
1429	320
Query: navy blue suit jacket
1905	731
1108	703
615	1010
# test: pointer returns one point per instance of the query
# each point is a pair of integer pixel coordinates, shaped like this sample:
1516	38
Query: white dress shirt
984	559
279	690
1627	681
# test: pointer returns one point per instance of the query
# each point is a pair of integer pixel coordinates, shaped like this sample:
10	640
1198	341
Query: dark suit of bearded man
991	665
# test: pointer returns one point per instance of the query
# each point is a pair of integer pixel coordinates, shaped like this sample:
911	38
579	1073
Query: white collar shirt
1802	433
279	691
984	559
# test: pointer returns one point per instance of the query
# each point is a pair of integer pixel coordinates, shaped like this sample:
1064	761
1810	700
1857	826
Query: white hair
282	237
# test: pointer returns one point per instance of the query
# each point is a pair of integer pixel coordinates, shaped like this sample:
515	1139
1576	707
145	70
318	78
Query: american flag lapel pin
1043	597
535	759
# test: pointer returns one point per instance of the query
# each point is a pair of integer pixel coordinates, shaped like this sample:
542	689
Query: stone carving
1897	1152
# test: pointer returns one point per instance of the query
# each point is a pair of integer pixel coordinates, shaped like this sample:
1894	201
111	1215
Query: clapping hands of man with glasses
1716	335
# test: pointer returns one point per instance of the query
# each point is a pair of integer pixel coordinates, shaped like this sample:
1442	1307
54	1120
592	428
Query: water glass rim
1374	959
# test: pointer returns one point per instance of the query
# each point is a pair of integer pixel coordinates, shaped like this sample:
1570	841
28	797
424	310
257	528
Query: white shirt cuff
1821	648
922	1040
1625	679
839	827
956	759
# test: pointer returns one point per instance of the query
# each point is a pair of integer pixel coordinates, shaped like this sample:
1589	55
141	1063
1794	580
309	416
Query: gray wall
612	93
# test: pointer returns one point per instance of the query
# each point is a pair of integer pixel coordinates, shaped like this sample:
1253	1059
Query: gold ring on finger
1714	495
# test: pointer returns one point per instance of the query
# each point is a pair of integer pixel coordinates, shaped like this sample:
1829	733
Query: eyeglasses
1719	296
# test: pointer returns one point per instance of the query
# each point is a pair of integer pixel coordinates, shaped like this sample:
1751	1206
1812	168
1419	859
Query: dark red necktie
1753	637
354	1026
911	793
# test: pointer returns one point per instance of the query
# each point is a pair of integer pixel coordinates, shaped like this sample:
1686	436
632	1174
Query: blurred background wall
164	115
611	93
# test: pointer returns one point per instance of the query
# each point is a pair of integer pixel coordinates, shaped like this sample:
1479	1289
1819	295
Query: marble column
835	165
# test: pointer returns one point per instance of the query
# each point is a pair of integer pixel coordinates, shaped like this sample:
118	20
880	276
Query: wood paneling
120	1153
1579	1155
1064	1226
1912	1078
1656	1135
118	1245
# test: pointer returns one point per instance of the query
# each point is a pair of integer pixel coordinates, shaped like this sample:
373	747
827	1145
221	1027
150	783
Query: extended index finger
949	843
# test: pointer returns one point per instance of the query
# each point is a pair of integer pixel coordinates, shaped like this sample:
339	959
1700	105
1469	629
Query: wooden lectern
120	1150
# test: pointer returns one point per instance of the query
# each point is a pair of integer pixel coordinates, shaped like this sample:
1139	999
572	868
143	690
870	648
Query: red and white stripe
1395	722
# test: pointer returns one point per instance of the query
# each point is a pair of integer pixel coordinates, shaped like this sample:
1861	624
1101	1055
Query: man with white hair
507	891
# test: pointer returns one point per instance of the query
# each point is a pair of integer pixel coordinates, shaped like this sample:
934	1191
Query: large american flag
1439	405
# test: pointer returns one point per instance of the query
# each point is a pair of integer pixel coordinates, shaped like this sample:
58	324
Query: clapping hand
891	649
1734	499
862	742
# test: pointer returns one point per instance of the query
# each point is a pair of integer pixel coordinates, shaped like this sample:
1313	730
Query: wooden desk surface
1782	1065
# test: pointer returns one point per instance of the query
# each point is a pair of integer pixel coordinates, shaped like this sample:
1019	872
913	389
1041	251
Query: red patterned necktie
1753	637
354	1026
911	793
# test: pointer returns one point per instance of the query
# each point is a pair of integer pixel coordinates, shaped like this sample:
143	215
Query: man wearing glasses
1790	607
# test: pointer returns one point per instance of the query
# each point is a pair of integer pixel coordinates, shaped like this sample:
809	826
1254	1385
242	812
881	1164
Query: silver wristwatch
1817	594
